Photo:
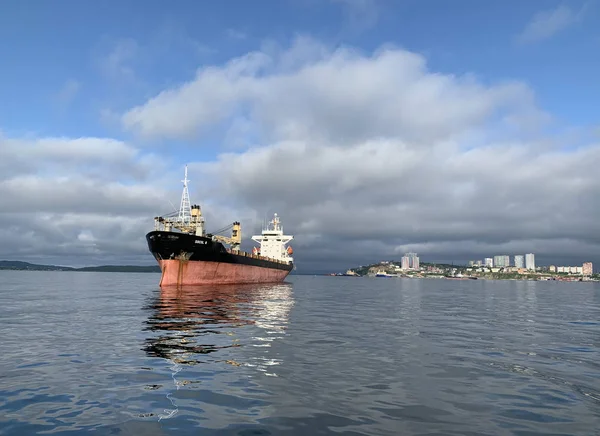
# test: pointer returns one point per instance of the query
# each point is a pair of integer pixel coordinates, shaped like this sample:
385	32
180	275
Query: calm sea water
317	355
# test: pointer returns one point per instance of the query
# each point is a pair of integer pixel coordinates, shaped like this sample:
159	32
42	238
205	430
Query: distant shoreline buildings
503	261
527	263
497	267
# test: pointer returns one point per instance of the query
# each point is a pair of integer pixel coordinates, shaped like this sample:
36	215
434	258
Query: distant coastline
15	265
451	271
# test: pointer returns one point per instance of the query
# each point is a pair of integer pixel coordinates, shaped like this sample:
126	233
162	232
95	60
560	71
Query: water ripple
318	355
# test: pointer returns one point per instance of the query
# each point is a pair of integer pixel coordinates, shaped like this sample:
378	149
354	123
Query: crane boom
236	237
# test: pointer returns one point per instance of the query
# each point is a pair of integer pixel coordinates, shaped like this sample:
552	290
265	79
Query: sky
458	130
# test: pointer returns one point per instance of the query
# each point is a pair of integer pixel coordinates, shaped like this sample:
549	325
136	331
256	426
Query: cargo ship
187	255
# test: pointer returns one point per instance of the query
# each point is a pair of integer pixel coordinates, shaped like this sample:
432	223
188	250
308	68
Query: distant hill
26	266
16	265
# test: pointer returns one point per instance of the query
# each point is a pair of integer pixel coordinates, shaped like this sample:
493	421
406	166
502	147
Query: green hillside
26	266
16	265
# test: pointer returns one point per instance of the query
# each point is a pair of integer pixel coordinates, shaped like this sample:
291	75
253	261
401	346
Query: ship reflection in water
208	324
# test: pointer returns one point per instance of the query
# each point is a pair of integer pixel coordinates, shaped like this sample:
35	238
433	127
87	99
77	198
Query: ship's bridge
273	242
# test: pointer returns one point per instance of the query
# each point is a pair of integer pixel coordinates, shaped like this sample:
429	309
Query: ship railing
257	256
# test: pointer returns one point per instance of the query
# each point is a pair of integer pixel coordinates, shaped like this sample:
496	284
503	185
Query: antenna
185	213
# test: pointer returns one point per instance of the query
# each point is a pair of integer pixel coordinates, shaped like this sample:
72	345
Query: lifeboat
289	250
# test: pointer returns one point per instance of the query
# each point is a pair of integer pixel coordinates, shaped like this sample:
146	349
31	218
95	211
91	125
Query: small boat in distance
187	255
381	273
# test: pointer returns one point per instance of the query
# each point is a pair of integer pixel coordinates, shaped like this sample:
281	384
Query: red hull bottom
177	272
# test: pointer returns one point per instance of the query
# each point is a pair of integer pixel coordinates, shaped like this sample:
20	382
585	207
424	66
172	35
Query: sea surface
113	353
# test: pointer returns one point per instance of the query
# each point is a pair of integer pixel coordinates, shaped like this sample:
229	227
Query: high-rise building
405	262
502	260
519	261
489	262
587	269
530	261
413	260
471	263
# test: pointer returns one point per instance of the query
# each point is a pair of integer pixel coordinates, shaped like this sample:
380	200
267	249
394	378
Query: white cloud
362	154
104	157
442	202
80	200
85	201
341	95
86	236
359	147
546	24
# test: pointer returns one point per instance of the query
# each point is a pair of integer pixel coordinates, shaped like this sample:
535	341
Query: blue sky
58	47
433	114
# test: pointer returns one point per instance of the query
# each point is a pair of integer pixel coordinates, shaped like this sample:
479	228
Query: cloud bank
364	155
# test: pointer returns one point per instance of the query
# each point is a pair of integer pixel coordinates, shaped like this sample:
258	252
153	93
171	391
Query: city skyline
407	261
526	261
523	265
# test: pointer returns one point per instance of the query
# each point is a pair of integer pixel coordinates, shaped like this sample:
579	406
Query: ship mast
189	220
185	213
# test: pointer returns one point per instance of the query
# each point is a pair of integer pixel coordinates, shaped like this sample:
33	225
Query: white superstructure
273	242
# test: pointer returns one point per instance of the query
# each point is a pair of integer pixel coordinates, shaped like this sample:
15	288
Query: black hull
175	245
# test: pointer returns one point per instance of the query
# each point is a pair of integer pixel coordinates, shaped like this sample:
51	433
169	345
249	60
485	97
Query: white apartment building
519	261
